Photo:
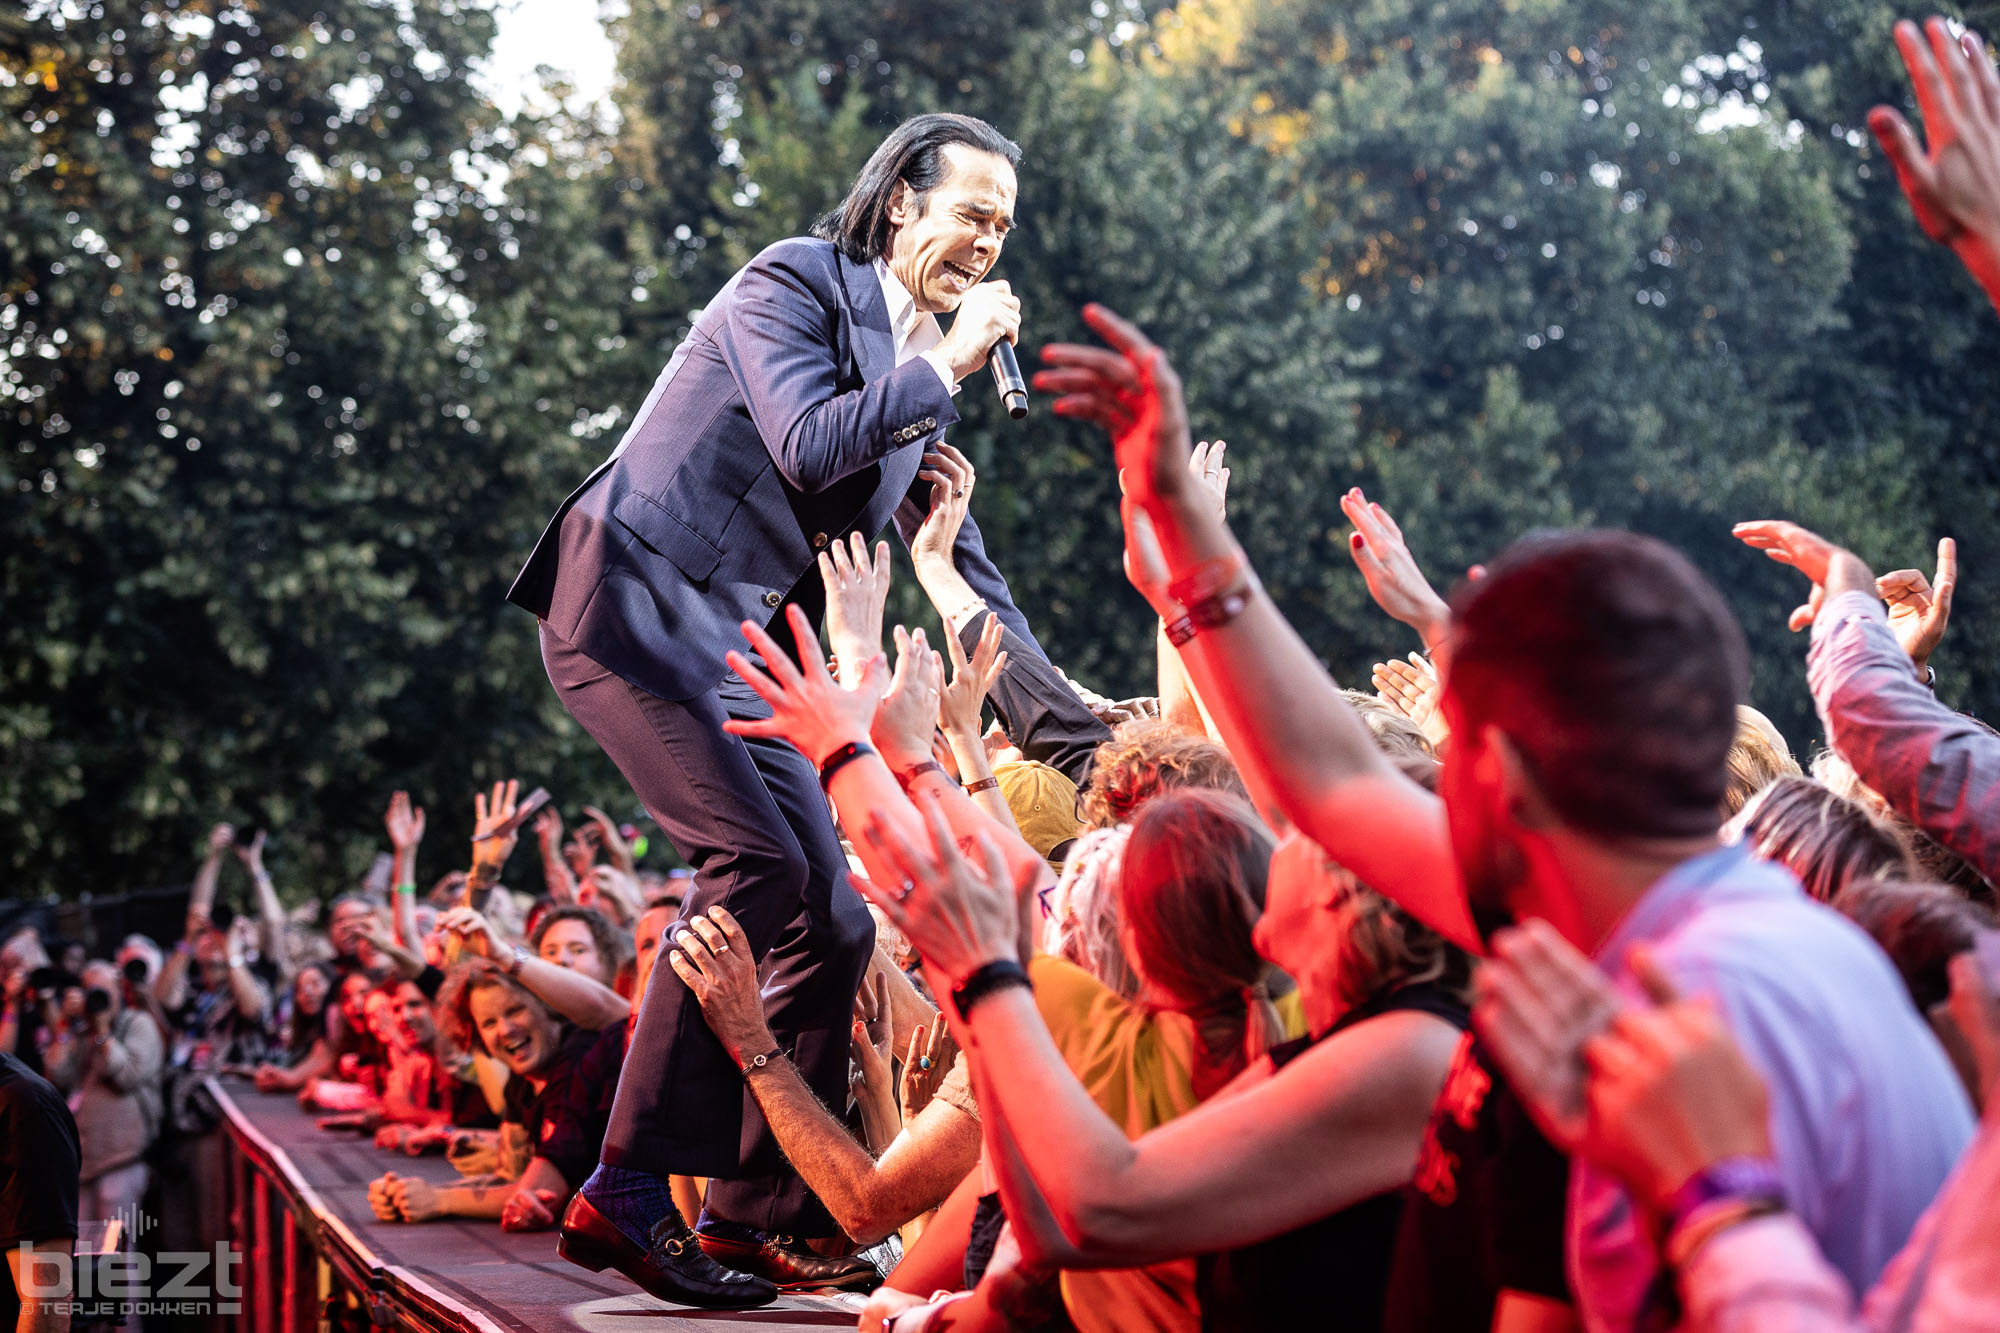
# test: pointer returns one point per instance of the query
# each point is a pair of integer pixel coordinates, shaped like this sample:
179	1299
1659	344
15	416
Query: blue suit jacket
781	423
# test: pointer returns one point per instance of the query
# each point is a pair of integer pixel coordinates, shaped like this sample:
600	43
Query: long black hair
913	154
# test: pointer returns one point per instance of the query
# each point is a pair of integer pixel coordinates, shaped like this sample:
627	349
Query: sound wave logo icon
132	1222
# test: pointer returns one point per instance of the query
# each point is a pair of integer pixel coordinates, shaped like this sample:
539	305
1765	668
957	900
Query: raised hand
908	714
405	823
1670	1093
1953	185
1411	688
1918	609
1132	391
1206	465
809	709
963	701
960	915
610	839
926	1063
952	478
1539	1001
221	838
473	929
610	887
488	814
1385	562
1827	565
712	955
252	853
857	587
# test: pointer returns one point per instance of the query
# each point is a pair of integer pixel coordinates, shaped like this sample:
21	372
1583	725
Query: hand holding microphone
983	333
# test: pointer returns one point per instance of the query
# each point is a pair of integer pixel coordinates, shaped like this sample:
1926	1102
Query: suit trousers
749	816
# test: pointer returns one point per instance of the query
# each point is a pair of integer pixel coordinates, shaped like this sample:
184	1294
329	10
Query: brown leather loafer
792	1267
674	1268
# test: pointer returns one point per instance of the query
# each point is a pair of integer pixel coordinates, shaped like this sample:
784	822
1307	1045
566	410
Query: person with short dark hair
40	1161
800	409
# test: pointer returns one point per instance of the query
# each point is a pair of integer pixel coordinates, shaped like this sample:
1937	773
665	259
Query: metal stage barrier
314	1257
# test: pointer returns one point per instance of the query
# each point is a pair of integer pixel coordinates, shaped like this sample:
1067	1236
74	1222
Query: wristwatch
521	956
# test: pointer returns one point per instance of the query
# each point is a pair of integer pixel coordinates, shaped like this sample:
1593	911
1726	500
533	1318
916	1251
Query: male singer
797	410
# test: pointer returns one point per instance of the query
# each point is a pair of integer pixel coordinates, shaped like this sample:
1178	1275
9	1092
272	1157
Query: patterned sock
633	1201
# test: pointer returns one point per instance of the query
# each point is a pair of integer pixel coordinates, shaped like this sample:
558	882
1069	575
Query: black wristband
999	974
841	758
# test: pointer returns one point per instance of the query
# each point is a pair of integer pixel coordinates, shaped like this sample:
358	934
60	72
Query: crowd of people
1542	988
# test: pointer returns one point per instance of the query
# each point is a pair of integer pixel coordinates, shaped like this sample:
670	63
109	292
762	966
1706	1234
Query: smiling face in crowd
518	1033
943	245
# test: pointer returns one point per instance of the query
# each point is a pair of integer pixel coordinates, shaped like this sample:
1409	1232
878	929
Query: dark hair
1825	839
1922	927
913	154
1615	669
613	946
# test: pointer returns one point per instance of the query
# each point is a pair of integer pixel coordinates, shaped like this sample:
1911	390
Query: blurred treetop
301	342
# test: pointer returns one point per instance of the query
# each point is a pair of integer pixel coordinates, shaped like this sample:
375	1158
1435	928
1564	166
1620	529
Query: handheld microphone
1007	379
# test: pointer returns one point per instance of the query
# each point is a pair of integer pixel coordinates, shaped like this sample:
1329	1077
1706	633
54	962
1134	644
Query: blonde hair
1757	758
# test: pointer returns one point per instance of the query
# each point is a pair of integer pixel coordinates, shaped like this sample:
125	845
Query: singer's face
945	251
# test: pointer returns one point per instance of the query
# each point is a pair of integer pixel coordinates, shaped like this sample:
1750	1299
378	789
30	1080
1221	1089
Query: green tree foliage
301	341
283	386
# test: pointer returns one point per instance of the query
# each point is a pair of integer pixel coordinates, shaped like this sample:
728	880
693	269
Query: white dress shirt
916	331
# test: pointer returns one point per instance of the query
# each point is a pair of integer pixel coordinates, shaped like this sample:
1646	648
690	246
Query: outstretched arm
1937	768
1231	1172
946	547
1279	712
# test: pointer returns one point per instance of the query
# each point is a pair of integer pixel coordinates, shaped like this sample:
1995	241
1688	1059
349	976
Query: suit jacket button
819	541
773	598
930	423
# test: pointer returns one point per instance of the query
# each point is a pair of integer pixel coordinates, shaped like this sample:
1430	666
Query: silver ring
903	892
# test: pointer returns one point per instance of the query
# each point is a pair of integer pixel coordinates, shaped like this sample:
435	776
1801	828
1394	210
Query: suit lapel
874	342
